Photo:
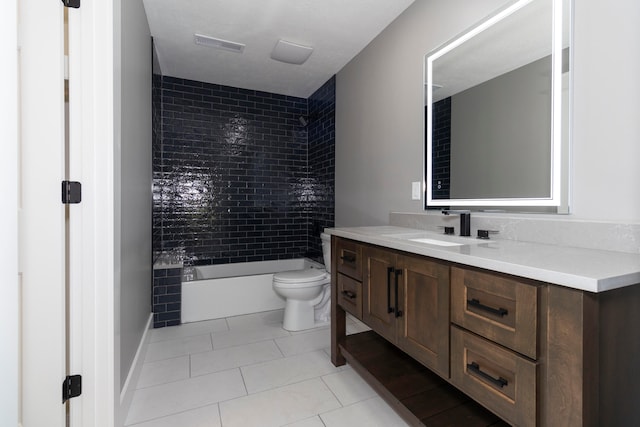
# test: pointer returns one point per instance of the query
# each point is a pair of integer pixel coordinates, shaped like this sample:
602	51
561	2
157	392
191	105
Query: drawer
349	258
499	379
500	309
350	295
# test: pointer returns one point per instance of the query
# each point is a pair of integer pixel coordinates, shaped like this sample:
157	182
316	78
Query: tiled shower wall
237	176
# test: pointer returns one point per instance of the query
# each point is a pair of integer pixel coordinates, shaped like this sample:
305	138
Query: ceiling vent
291	53
218	43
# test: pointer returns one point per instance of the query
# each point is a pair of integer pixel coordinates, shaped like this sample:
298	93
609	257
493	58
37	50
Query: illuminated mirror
497	111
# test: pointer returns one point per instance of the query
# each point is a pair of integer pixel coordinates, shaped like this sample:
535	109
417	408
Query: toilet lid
300	276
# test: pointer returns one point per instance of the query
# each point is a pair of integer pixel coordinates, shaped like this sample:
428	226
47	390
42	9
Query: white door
93	44
43	306
9	216
41	238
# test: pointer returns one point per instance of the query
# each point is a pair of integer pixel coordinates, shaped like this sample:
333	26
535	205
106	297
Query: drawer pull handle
349	294
497	311
351	259
475	368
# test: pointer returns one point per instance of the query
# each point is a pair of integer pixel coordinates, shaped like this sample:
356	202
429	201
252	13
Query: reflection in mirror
496	113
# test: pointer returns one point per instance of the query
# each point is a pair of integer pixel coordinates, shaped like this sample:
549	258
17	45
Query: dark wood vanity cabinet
406	300
531	353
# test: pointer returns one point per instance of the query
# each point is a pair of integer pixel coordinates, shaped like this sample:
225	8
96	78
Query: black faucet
465	220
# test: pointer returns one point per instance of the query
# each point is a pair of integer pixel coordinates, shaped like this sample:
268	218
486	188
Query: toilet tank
326	251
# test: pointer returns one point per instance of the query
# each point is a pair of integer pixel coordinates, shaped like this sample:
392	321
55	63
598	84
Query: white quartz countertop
585	269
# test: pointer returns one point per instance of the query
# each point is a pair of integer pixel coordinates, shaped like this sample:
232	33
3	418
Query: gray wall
482	155
135	183
379	112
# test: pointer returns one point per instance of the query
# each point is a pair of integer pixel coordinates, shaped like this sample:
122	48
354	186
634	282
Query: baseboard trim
126	395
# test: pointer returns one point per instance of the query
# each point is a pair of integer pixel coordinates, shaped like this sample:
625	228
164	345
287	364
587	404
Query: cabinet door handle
475	368
389	271
398	311
349	294
477	304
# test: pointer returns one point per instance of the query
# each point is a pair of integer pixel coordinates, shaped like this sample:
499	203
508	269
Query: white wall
379	114
9	215
606	139
134	303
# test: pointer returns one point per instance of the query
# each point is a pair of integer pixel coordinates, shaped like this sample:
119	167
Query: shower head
303	121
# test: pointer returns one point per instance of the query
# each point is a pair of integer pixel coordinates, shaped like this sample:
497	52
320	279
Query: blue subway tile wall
441	148
167	296
232	172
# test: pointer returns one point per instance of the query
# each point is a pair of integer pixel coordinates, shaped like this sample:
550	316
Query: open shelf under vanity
420	396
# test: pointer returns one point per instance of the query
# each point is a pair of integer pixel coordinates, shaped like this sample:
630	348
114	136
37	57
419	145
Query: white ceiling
337	29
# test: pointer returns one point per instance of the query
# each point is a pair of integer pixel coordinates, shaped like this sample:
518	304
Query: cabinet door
423	308
379	291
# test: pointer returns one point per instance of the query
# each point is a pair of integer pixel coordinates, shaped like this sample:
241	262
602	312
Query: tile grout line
175	413
181	336
244	383
219	414
280	387
242	366
300	380
279	349
331	390
195	407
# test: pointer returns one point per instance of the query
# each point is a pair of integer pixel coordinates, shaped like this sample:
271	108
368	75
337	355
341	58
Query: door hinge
71	192
71	3
71	387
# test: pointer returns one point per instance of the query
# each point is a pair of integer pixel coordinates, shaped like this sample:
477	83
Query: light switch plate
415	190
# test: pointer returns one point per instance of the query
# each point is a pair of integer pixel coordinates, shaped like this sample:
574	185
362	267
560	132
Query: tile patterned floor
247	371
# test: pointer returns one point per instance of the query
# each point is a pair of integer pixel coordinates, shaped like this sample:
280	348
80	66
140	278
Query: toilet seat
300	278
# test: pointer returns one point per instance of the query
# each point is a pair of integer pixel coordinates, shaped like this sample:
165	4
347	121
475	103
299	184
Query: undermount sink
436	242
430	238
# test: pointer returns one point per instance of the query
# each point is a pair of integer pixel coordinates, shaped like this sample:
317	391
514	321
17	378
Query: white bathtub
233	289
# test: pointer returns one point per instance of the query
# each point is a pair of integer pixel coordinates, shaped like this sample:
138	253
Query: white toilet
307	293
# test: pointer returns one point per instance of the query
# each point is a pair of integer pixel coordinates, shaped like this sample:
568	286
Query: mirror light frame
556	197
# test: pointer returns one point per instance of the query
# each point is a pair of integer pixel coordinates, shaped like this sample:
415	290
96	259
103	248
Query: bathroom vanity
538	335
